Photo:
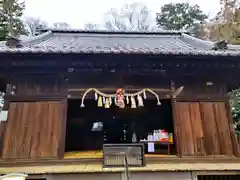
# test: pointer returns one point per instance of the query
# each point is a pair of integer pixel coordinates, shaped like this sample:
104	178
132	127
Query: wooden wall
39	86
36	122
198	88
203	129
35	130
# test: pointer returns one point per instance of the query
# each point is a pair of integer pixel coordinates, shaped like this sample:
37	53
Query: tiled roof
56	41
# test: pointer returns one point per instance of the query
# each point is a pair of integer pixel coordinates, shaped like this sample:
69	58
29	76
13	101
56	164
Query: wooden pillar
235	141
62	142
2	130
183	129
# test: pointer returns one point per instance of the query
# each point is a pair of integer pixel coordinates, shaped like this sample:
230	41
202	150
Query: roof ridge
102	31
118	35
197	42
37	39
2	43
32	40
235	47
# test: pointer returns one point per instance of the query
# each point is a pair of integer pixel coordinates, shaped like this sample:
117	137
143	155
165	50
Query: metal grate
218	177
114	155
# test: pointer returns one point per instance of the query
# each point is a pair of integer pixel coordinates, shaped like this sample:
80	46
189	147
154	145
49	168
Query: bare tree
228	10
91	27
61	25
131	17
226	24
34	26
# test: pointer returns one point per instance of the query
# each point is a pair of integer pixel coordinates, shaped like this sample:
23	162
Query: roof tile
97	42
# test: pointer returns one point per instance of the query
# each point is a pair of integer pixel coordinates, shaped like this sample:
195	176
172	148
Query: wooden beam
202	99
110	89
33	98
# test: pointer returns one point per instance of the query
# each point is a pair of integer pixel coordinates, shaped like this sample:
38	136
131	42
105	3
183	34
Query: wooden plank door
35	130
202	128
183	130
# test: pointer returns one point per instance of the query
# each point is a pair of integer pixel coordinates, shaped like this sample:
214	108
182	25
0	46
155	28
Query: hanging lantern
120	98
97	126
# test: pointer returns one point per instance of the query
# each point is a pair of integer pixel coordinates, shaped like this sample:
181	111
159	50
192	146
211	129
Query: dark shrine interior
3	85
116	121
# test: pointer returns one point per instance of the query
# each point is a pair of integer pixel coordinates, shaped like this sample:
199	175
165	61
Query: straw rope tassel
96	96
99	104
100	95
133	102
140	101
107	103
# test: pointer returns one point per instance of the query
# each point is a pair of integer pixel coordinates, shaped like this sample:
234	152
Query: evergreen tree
179	16
235	103
3	24
10	14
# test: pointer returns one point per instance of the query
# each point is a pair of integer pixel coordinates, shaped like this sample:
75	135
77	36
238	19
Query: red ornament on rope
120	98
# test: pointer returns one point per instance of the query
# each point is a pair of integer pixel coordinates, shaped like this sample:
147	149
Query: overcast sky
79	12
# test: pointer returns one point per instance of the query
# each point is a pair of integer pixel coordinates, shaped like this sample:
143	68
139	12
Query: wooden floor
98	154
74	162
91	168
